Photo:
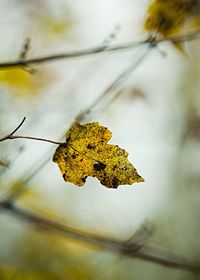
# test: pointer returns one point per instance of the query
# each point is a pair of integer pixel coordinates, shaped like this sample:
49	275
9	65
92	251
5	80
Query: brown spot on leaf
114	167
90	147
115	182
84	179
98	166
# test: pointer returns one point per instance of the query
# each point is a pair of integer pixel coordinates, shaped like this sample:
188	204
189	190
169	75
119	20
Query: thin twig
36	167
12	136
193	35
25	49
23	56
146	253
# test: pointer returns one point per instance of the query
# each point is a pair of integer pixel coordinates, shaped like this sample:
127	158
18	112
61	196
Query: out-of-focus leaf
22	82
56	25
86	153
167	18
18	78
45	256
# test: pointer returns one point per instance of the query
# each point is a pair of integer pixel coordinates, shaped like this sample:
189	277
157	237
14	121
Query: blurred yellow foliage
167	18
41	255
22	82
86	153
55	25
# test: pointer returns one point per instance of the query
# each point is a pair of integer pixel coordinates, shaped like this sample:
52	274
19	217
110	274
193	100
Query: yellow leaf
86	153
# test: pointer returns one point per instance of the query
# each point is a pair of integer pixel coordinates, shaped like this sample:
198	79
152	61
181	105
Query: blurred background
154	115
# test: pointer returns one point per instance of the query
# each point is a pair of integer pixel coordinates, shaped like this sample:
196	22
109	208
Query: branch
11	134
134	249
190	36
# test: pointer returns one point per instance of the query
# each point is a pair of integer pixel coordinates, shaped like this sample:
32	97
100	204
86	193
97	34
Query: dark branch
21	123
11	134
136	250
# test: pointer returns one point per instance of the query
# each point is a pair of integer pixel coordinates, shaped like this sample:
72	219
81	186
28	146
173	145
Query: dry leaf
86	153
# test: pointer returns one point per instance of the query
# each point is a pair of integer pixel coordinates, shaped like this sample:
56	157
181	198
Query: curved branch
134	250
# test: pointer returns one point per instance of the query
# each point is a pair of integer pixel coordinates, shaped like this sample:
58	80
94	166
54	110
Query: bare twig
26	48
12	136
111	36
190	36
36	167
23	56
144	252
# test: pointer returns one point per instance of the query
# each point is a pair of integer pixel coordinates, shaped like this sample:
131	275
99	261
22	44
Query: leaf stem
34	138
